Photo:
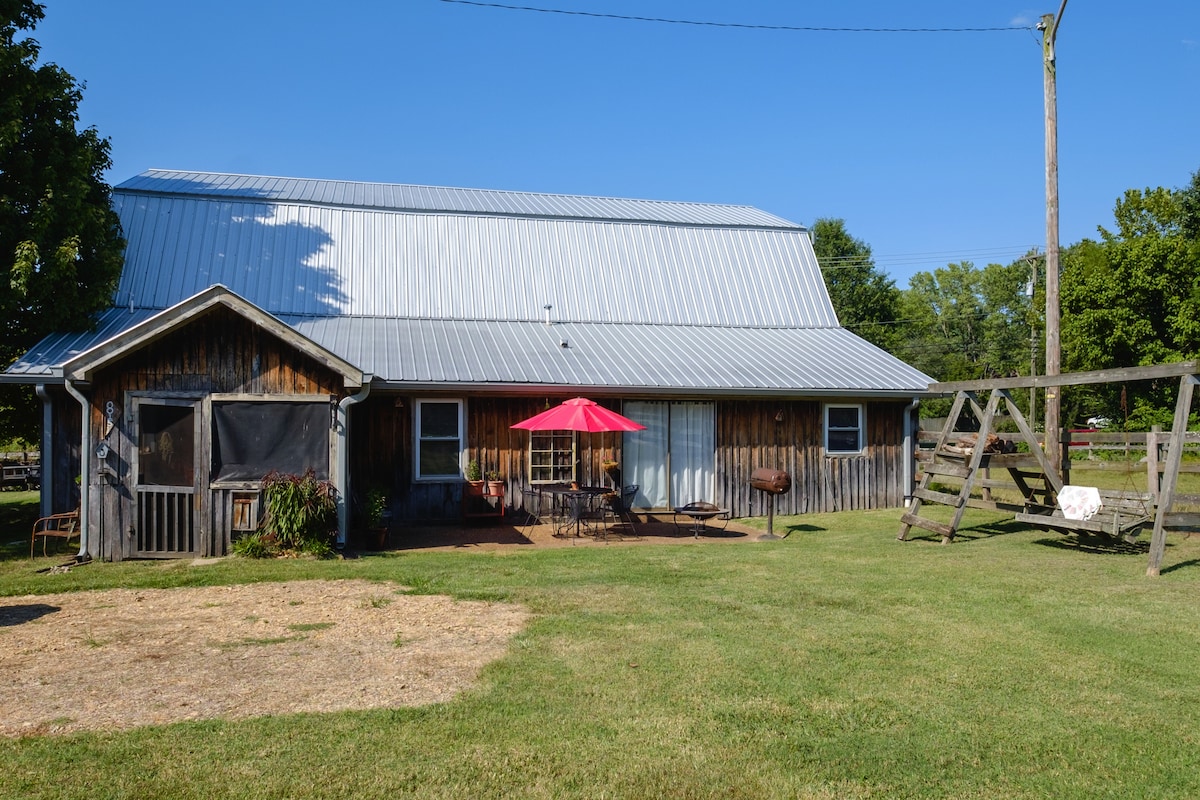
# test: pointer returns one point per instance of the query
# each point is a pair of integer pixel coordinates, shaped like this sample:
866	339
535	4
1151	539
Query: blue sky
929	145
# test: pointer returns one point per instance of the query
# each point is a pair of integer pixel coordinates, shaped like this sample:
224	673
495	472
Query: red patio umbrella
579	414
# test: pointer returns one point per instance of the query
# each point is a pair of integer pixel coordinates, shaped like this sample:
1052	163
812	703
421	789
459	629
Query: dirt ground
121	658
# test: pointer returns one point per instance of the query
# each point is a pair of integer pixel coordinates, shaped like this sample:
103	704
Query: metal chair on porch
62	526
617	513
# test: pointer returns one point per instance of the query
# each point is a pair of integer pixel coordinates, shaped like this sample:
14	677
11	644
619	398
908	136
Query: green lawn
835	663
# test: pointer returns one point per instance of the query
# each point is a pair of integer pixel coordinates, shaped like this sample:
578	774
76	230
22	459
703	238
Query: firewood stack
967	443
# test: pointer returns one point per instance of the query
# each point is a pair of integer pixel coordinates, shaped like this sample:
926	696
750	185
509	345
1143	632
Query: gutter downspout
47	452
85	448
909	450
342	468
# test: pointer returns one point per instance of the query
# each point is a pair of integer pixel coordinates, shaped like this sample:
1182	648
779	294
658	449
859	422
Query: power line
742	25
940	258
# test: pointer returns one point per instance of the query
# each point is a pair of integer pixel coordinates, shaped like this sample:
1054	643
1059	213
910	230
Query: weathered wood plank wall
61	467
381	433
221	352
747	436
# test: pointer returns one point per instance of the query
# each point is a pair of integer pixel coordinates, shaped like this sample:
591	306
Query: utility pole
1032	259
1049	28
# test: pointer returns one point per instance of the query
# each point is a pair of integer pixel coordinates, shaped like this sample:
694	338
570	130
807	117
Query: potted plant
495	483
613	470
474	478
377	516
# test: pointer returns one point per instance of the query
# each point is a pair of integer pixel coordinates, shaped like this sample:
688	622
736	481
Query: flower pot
475	488
378	537
495	488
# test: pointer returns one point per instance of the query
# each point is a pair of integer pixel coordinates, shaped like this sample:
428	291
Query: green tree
965	323
60	240
865	299
1134	298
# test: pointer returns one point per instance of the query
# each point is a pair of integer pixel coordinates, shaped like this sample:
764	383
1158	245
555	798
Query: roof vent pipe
547	307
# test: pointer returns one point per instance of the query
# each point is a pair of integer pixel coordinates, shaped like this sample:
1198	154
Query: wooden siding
60	467
381	434
747	436
219	352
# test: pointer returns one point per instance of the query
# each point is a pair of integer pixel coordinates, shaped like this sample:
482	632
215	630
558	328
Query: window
439	428
551	457
166	443
843	429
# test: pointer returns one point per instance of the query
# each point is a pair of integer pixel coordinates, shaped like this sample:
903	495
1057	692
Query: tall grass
835	663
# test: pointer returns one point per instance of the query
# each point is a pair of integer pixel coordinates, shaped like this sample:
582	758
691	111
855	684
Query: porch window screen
843	429
166	445
251	439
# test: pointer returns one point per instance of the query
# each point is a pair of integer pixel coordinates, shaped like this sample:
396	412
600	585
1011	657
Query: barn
386	336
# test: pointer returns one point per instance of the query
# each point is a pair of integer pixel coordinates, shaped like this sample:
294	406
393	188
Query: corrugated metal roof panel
612	356
406	197
602	356
428	285
290	258
46	358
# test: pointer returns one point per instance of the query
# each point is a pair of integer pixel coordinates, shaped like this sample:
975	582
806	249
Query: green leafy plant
301	512
474	473
494	475
377	506
255	545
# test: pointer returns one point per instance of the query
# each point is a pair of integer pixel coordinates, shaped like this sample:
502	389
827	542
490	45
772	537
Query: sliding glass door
673	461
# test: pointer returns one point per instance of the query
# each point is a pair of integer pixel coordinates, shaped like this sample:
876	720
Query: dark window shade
253	438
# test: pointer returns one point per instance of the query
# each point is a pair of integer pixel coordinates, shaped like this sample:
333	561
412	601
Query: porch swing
1116	513
1120	513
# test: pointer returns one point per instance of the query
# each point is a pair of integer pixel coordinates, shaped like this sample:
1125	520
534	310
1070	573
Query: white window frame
558	474
417	439
861	429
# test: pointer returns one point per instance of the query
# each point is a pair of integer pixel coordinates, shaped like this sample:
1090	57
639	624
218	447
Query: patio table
575	502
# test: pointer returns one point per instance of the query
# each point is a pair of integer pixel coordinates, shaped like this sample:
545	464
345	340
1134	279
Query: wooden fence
1120	453
20	470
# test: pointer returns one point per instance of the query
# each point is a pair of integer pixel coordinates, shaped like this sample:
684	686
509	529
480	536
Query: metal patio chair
63	526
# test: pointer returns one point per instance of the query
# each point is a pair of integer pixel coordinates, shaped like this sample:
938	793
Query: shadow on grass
803	529
1193	562
971	533
1098	544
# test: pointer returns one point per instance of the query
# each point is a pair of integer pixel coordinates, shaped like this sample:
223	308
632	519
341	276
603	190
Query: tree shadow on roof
184	236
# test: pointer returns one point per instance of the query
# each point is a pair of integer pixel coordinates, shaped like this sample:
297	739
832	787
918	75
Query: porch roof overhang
81	368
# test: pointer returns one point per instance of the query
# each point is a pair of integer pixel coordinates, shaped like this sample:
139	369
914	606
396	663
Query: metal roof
406	197
425	286
598	356
296	258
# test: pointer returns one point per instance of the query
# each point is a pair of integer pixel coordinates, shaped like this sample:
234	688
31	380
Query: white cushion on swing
1079	502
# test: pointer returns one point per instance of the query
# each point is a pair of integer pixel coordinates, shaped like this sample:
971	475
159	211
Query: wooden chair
64	525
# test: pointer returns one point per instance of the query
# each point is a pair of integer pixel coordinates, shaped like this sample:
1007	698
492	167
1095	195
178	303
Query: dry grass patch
120	658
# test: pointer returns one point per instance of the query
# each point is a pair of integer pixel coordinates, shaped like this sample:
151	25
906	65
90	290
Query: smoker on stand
773	482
